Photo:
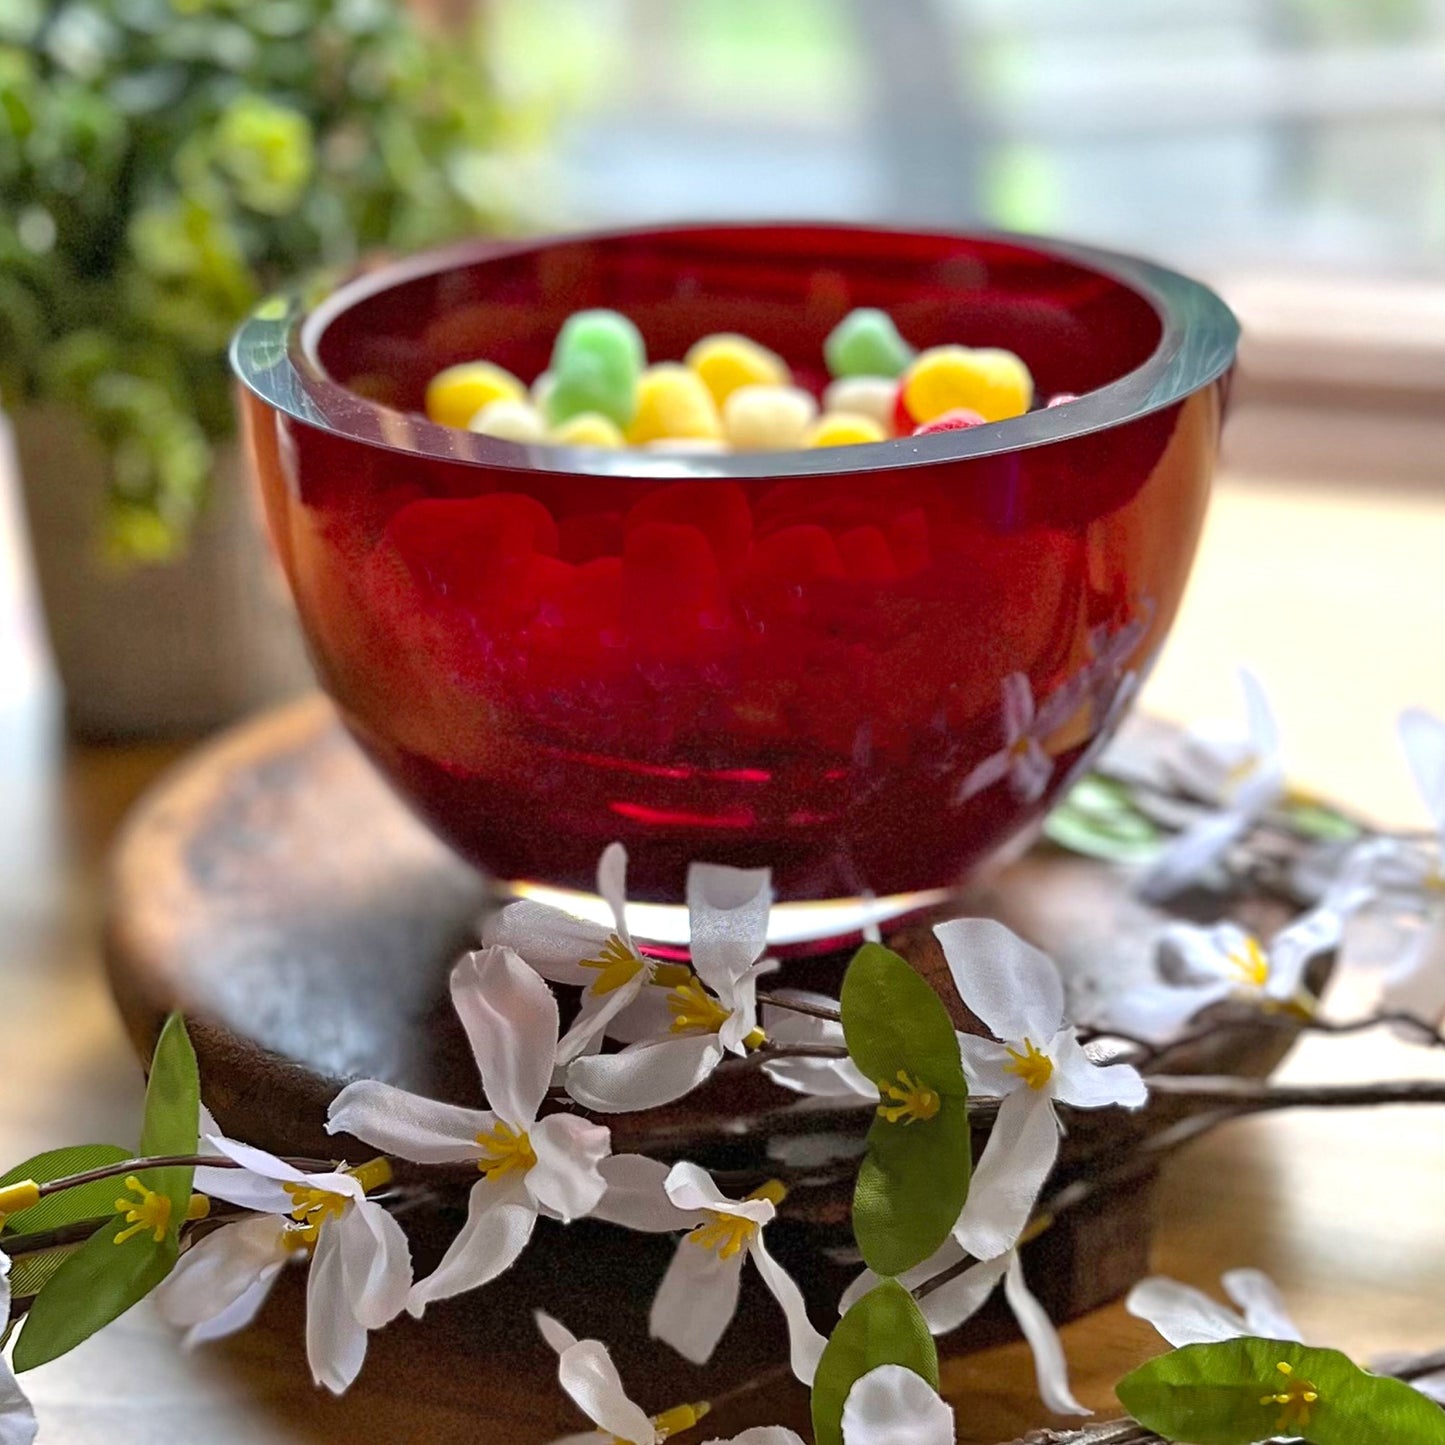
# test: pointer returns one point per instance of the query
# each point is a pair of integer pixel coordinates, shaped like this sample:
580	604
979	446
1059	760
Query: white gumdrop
870	396
512	421
768	418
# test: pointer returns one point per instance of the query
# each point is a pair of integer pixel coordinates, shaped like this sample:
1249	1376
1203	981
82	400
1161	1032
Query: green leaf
32	1272
885	1327
892	1021
98	1283
914	1180
1223	1394
172	1117
911	1187
1099	820
87	1201
1320	823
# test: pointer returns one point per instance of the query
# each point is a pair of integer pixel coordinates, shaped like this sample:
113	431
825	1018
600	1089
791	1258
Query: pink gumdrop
1062	399
866	555
718	509
797	554
961	418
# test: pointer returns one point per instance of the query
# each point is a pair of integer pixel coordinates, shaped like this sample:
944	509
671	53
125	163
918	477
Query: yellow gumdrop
870	396
672	402
588	429
843	429
725	361
456	395
994	383
511	420
768	418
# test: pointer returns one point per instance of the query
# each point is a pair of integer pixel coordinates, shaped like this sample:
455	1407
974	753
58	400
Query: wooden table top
1334	595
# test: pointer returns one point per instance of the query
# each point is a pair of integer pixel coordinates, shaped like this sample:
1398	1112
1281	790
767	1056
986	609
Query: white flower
1241	778
605	963
17	1419
699	1293
1023	759
528	1165
360	1260
588	1375
1033	1061
1204	966
1187	1316
954	1303
838	1079
713	1011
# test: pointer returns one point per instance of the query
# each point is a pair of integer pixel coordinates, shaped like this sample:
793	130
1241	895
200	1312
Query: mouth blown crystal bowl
866	668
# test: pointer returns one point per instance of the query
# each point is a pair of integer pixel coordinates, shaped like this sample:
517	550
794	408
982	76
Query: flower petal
1417	985
1263	726
375	1263
551	941
1030	772
1051	1369
554	1331
986	1067
1423	736
1192	854
692	1188
1159	1013
761	1435
727	911
612	886
217	1270
818	1078
741	996
636	1196
242	1188
1182	1314
258	1161
646	1017
1259	1298
500	1219
805	1344
1020	1153
955	1303
565	1179
696	1300
1013	988
595	1016
1018	705
1086	1085
991	770
588	1375
236	1316
405	1124
645	1076
893	1406
335	1338
511	1021
1188	954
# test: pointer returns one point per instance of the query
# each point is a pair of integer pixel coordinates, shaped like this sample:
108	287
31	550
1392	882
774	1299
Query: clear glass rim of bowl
275	354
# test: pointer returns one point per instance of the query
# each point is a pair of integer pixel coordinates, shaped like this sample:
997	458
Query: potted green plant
163	165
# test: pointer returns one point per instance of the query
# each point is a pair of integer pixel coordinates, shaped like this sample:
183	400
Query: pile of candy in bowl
730	394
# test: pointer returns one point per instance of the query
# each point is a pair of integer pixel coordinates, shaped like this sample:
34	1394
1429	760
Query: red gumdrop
584	536
866	555
718	509
908	538
465	550
796	554
903	420
672	591
961	418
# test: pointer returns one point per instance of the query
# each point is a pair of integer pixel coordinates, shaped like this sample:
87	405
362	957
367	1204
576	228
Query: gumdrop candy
870	396
768	418
513	421
586	384
843	429
961	418
672	402
994	383
588	429
456	395
725	361
866	343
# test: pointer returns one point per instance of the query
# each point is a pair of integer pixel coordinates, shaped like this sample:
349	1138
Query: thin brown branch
1248	1096
772	1053
830	1012
168	1161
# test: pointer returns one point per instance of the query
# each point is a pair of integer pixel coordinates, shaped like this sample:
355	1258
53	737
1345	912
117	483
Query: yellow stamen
694	1009
150	1211
1296	1402
1250	963
1033	1066
674	1422
616	965
913	1102
670	975
198	1208
23	1194
373	1175
505	1151
729	1234
311	1208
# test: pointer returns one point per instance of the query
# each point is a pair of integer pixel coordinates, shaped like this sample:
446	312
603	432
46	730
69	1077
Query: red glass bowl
866	668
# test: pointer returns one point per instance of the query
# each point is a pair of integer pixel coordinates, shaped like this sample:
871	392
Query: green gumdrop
866	343
582	383
606	336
